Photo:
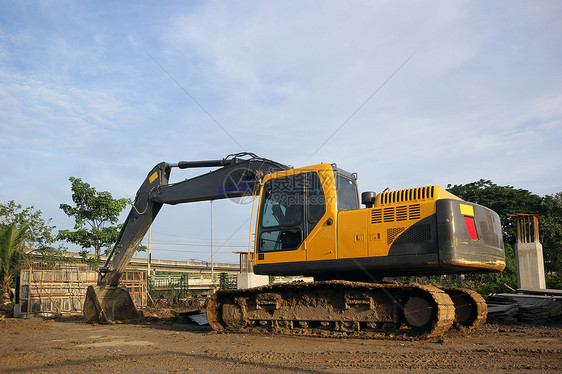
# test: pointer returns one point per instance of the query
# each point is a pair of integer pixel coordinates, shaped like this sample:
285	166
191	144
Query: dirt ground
70	345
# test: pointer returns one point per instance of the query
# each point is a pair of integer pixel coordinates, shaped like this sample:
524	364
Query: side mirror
368	198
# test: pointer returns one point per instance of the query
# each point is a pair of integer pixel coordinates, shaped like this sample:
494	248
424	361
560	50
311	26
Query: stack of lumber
528	306
502	308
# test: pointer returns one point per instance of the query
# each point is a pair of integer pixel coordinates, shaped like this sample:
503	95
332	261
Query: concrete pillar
530	266
528	252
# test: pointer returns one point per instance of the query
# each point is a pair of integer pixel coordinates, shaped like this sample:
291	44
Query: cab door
282	224
320	243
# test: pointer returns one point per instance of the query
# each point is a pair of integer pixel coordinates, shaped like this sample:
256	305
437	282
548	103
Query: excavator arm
237	175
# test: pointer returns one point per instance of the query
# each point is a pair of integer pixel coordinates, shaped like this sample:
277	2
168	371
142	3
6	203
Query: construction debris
199	318
530	306
504	312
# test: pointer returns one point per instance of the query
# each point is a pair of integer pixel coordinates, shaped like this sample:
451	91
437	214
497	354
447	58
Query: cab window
283	204
282	214
291	207
347	194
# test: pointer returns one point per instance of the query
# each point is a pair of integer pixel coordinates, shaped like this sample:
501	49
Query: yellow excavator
310	223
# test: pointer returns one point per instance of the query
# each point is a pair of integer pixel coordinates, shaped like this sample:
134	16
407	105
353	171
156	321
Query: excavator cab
323	233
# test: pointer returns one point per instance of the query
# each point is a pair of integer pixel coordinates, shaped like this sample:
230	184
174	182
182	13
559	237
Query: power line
194	100
192	238
177	250
196	244
363	104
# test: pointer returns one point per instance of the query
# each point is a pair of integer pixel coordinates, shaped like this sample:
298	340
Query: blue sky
95	89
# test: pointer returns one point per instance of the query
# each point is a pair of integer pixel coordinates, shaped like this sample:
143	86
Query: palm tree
11	255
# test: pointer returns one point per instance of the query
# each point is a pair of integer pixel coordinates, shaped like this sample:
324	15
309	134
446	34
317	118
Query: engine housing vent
396	214
410	194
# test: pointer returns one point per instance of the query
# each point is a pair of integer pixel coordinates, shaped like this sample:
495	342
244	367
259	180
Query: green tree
95	215
40	232
550	227
11	255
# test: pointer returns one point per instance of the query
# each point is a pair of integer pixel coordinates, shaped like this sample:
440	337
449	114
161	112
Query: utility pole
212	261
149	258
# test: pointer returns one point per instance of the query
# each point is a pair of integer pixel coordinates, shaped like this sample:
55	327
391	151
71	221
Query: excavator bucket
105	304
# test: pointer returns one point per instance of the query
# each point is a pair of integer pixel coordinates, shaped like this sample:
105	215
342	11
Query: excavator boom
237	175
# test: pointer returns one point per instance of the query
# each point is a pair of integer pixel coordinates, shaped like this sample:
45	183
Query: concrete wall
249	280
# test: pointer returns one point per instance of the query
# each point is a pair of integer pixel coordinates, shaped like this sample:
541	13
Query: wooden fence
45	289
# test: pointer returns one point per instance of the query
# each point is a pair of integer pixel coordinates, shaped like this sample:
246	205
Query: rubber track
479	306
442	319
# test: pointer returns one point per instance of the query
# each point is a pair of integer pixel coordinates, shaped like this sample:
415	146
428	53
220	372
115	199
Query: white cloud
479	99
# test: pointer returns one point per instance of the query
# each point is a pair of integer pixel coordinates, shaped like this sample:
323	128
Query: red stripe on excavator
469	221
